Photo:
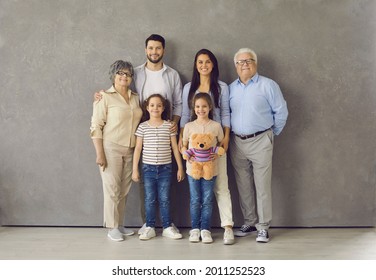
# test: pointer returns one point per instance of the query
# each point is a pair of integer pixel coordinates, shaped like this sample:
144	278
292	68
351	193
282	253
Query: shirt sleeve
140	131
279	108
169	129
185	116
220	135
225	106
186	134
98	119
177	102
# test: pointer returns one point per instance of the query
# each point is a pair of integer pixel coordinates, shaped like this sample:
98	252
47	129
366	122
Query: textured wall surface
55	54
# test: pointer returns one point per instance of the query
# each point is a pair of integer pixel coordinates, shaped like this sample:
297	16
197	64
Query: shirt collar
164	67
254	79
113	90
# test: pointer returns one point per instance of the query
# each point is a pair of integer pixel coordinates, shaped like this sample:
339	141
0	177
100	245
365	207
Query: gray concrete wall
55	54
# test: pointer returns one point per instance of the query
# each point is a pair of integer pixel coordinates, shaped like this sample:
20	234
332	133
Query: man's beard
155	61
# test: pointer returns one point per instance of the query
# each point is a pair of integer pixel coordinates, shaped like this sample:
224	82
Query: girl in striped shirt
155	141
201	190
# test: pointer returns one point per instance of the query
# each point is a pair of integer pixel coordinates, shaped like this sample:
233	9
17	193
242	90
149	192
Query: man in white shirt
156	77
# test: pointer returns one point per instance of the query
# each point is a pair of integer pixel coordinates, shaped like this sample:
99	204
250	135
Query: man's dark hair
155	37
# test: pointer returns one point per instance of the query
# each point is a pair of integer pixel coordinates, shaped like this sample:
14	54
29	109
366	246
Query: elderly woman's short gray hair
119	65
246	50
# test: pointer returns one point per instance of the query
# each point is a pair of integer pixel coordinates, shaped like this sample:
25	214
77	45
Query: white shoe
126	231
194	235
228	237
148	233
206	236
262	236
176	229
142	229
171	232
115	235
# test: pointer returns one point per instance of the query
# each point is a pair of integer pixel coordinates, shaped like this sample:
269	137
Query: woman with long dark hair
205	79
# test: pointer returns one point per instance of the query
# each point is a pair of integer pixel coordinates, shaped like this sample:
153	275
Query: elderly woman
114	122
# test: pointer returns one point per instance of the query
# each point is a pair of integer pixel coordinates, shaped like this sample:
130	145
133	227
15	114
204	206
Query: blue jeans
201	202
157	182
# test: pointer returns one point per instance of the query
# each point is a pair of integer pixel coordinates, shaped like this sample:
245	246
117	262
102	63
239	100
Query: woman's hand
224	143
101	161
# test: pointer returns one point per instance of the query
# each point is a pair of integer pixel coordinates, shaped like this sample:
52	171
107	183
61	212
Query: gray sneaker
126	231
115	235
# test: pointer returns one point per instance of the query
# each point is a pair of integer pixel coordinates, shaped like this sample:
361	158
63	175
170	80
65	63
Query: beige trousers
117	180
222	193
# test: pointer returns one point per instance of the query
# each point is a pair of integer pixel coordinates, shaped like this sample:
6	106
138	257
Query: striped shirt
201	155
156	143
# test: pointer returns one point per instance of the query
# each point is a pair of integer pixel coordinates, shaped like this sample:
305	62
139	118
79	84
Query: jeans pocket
146	168
166	168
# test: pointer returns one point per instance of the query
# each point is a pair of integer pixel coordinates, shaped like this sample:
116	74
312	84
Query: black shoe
245	230
262	236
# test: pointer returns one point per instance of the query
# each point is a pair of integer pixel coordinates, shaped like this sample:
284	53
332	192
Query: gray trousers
252	162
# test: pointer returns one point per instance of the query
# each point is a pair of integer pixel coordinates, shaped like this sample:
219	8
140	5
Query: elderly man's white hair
245	50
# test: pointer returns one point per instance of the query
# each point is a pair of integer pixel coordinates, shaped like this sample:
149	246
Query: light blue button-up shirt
257	106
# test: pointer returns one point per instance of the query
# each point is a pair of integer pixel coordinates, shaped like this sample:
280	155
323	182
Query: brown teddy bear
202	166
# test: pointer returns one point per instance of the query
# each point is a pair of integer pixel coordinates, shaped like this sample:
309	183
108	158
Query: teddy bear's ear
193	137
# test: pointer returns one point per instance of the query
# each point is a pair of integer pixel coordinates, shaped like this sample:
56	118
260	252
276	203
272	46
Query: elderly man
258	112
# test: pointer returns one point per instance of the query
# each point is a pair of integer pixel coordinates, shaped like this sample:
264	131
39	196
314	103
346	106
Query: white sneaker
126	231
115	235
176	229
262	236
148	233
206	236
194	235
142	229
228	237
171	232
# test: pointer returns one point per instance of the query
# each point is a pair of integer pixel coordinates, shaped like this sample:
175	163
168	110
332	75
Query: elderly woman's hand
101	161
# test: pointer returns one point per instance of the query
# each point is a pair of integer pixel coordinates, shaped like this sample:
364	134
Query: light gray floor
51	243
